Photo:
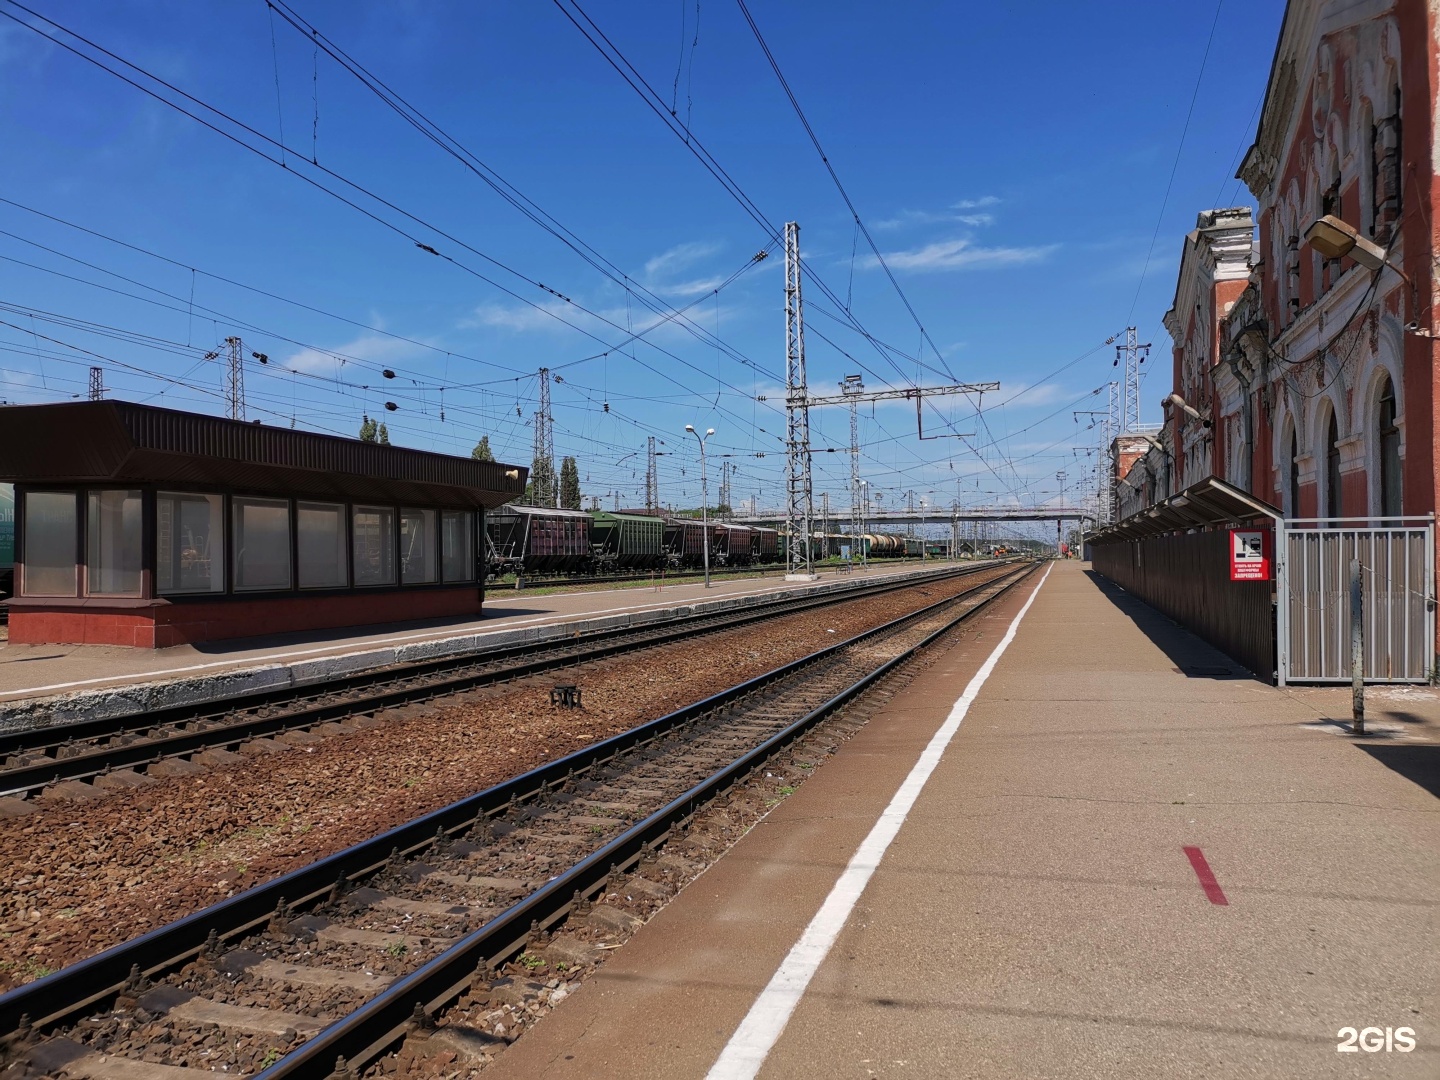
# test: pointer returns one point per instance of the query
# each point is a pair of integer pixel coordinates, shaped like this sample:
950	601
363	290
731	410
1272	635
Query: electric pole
1133	354
97	384
235	379
545	444
652	480
852	387
799	506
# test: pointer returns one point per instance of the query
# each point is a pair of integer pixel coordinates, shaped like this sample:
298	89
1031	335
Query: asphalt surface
1044	909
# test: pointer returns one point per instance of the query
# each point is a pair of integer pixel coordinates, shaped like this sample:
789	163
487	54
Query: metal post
704	500
799	509
1357	648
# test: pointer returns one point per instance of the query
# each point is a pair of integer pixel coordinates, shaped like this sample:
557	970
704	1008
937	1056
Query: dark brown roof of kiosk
118	442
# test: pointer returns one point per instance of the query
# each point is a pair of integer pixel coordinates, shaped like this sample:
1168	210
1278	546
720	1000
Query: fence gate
1397	568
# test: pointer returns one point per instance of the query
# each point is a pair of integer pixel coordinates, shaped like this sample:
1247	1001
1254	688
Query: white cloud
948	216
372	347
962	254
679	257
518	318
698	287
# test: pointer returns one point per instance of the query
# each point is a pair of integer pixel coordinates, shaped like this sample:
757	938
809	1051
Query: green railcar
627	541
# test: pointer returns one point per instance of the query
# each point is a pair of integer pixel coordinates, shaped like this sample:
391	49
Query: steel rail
409	683
75	989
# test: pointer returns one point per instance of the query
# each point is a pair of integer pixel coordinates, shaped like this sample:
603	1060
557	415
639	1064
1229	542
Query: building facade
1311	382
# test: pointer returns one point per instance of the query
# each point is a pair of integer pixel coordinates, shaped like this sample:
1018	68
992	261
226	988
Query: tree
569	484
482	450
368	430
382	436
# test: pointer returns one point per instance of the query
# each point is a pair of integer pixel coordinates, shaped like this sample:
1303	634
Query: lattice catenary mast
97	384
235	378
799	508
652	479
545	444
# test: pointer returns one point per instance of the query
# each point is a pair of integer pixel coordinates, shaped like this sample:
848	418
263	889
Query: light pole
704	498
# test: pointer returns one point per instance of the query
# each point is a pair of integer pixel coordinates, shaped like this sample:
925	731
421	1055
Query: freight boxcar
685	541
538	539
734	544
627	541
765	545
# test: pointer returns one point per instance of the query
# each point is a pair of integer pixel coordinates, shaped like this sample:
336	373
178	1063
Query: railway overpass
876	520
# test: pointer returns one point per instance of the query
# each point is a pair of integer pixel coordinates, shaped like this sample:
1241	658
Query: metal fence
1187	577
1312	571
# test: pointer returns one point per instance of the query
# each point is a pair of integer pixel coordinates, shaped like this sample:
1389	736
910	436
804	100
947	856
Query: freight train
538	540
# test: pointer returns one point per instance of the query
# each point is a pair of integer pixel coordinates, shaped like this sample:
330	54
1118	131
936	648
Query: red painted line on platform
1213	892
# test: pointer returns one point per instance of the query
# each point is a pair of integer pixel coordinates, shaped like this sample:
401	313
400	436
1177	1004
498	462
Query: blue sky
1010	161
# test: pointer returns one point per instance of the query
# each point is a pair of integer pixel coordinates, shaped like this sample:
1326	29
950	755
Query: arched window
1294	474
1333	502
1389	431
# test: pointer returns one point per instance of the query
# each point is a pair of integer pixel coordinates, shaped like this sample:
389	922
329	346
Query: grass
396	949
271	1056
530	962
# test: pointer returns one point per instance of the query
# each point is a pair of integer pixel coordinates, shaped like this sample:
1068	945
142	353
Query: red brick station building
150	527
1310	381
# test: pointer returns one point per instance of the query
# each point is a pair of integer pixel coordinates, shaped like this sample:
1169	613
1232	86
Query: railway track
111	751
321	971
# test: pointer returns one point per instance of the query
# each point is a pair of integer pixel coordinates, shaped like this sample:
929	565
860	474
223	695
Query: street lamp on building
1335	239
704	498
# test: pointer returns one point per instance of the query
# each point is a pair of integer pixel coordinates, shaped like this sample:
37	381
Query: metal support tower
723	499
852	387
235	378
652	479
799	506
97	383
1133	354
545	446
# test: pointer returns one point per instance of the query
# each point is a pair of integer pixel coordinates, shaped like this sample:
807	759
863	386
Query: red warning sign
1250	558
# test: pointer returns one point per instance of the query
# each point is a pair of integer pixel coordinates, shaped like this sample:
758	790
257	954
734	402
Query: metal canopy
119	442
1211	502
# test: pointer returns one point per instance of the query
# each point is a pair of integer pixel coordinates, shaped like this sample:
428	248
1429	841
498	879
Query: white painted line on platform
763	1024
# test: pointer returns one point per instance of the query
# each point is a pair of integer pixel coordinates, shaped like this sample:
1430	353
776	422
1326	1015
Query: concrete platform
47	684
1114	871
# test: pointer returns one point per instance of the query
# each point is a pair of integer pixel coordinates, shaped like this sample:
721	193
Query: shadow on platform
1193	657
342	635
1417	762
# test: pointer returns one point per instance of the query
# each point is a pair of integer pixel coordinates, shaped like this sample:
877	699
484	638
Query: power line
1164	202
830	168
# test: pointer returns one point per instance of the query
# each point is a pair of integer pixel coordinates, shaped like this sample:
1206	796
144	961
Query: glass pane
322	545
417	546
458	551
373	528
49	543
113	553
189	543
262	543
